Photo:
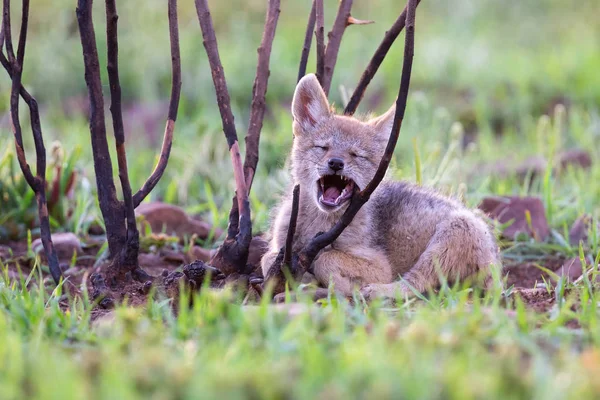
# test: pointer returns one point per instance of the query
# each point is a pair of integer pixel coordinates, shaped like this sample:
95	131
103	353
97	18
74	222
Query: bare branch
286	260
334	41
165	150
14	68
320	36
376	60
223	100
6	29
15	72
112	211
308	254
131	247
259	90
353	21
310	27
236	253
287	254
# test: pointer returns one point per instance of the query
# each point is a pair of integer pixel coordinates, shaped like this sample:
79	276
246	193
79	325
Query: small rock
151	260
504	209
580	229
172	256
173	220
575	158
572	270
65	244
199	253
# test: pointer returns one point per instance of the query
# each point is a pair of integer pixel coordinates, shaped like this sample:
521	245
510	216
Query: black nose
336	164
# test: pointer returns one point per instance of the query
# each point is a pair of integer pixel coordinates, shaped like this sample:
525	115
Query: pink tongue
331	193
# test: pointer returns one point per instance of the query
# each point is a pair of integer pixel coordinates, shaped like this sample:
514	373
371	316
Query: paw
385	291
374	291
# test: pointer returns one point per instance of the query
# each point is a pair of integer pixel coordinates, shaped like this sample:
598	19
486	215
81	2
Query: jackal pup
403	231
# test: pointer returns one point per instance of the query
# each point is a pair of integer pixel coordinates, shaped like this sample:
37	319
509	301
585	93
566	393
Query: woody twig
334	41
14	67
232	255
378	57
121	231
310	26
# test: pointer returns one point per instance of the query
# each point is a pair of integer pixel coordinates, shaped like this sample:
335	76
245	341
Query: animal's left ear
383	123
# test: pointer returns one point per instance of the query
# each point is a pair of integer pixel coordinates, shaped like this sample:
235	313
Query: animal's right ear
310	106
383	124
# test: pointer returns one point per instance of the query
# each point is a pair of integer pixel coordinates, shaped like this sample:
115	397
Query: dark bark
14	68
128	256
111	208
259	90
289	240
334	40
320	37
165	151
119	217
233	254
378	57
310	27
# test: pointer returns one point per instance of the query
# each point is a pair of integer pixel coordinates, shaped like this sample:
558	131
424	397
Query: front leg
349	271
267	261
393	290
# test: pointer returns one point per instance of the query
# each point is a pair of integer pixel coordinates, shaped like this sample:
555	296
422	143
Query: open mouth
334	190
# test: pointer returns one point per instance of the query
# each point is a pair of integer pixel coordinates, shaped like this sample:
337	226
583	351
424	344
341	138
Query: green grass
451	347
497	66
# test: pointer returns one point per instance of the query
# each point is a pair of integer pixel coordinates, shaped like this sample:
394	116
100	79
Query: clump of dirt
528	275
539	300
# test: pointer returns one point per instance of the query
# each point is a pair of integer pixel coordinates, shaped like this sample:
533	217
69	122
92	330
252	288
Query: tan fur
403	231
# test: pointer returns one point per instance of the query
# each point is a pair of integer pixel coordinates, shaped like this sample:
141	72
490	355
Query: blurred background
499	89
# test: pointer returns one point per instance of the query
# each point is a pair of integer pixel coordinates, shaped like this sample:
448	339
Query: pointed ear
310	105
383	123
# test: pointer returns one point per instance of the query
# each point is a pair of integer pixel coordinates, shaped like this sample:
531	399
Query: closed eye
357	155
322	147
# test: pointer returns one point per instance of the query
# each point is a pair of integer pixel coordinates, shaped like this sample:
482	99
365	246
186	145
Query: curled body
403	231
